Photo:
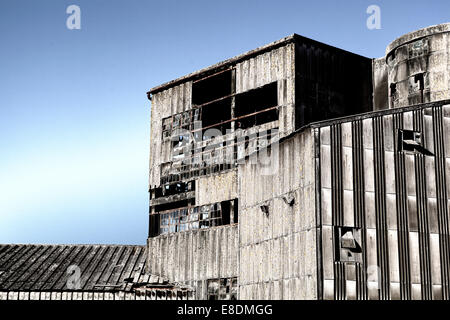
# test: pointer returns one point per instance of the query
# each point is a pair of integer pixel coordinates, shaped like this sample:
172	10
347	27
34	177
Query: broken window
412	141
257	106
193	133
167	128
222	289
178	218
347	244
176	188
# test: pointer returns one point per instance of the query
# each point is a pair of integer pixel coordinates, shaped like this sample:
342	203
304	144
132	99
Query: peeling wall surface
384	203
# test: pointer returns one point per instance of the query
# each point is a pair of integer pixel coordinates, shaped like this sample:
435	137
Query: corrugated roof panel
50	266
114	267
44	267
63	263
28	269
16	265
123	273
61	283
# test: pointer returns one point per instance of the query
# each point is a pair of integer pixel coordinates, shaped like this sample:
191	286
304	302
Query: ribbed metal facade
394	202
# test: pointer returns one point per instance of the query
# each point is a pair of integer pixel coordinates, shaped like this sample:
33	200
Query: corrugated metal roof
45	267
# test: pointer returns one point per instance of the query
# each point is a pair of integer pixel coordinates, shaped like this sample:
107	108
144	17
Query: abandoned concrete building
294	171
354	200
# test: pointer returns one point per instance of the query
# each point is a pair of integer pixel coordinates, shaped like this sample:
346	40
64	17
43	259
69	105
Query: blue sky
74	117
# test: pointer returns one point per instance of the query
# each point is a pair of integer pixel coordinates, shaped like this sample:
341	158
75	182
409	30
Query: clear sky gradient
74	116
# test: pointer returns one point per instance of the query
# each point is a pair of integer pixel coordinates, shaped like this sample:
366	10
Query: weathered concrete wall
380	84
427	52
193	257
216	188
396	203
278	247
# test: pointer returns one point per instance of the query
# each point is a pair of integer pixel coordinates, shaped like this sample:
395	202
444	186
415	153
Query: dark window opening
412	141
174	188
217	115
212	87
153	226
257	106
226	206
171	205
419	78
393	87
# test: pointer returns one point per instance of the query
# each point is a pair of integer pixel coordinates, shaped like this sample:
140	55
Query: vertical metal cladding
359	209
337	203
402	214
380	207
422	213
441	195
390	196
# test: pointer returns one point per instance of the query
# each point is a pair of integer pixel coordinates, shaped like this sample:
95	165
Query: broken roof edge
236	59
